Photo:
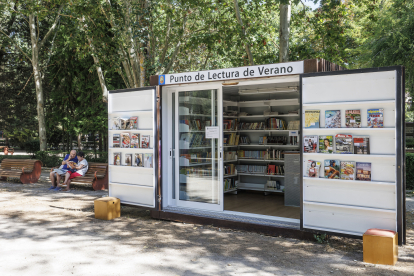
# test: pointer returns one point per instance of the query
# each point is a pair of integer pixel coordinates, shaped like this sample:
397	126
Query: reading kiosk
285	149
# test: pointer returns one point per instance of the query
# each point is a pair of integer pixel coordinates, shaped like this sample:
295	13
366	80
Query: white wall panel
131	194
350	87
132	175
131	101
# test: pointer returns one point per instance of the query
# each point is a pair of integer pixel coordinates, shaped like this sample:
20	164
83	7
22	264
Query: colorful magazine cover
325	144
312	169
353	118
138	160
348	170
117	158
312	118
361	145
128	159
126	141
148	160
332	169
116	141
375	118
363	171
116	123
135	140
310	143
344	144
133	122
332	118
145	141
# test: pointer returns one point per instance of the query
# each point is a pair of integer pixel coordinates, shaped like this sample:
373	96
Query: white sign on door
212	132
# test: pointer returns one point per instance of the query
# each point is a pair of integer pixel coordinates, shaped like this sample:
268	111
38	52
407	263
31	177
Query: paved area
54	233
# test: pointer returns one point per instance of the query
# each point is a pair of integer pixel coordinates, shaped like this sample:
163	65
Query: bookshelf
352	206
257	109
132	184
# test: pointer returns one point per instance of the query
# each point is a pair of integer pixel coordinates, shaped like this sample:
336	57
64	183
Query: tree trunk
246	43
101	76
284	30
100	142
80	141
38	84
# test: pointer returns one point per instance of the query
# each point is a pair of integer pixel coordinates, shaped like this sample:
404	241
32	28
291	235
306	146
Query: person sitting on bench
81	169
71	157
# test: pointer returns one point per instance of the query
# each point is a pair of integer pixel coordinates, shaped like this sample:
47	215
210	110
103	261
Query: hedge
409	170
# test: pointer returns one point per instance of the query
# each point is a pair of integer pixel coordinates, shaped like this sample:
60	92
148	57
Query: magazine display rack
133	183
353	206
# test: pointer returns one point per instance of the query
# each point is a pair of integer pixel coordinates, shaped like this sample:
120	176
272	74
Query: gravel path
54	233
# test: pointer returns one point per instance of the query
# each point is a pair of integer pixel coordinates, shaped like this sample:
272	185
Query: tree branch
17	46
51	28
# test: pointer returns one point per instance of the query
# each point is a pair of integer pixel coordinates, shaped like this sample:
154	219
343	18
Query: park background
58	59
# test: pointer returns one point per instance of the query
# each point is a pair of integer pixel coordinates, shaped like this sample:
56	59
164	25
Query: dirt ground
55	233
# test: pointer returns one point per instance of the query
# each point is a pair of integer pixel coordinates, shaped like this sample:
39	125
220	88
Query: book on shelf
273	154
353	118
117	158
312	168
116	123
230	139
312	118
125	140
363	171
262	140
310	143
230	184
251	154
230	124
332	169
375	118
274	123
275	169
138	160
361	145
244	140
294	140
344	144
276	140
128	159
251	169
145	141
325	144
116	141
273	185
252	126
230	155
124	123
293	125
348	170
230	169
332	118
270	113
148	160
133	122
135	137
195	172
271	169
191	140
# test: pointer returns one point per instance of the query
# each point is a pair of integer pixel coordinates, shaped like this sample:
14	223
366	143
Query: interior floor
258	203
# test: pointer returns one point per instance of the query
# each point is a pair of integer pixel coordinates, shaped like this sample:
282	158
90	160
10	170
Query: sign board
212	132
293	133
256	71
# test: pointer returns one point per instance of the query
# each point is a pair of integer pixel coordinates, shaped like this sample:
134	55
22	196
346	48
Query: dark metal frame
400	145
156	135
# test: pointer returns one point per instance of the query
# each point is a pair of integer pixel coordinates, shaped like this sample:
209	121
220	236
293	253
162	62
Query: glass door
198	149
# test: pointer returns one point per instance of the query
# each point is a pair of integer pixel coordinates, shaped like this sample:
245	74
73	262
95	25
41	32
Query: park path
54	233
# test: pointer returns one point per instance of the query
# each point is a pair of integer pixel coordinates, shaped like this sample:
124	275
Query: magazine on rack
135	140
361	145
138	160
312	118
148	160
332	169
116	123
310	143
124	123
117	158
348	170
363	171
325	144
115	140
343	144
133	122
126	141
375	118
312	169
128	159
353	118
332	118
145	141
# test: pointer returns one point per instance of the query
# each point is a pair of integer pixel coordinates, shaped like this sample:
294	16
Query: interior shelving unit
351	206
251	107
132	184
